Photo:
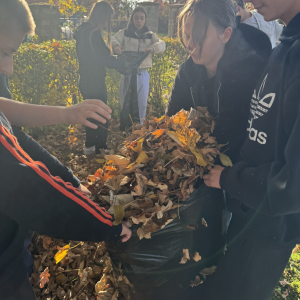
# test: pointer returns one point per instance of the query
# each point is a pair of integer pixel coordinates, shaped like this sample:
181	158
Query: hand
94	109
117	50
212	179
149	49
84	190
126	231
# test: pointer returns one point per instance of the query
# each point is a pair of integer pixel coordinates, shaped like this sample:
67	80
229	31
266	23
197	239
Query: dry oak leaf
185	257
44	277
197	257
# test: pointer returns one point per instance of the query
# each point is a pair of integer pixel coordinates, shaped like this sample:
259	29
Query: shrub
47	73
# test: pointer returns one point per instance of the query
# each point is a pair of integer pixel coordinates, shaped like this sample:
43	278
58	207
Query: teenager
32	191
273	29
93	57
264	184
137	37
225	63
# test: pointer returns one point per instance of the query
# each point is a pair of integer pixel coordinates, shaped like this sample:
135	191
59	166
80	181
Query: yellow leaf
54	153
100	160
141	158
139	146
61	254
225	160
118	214
200	159
159	132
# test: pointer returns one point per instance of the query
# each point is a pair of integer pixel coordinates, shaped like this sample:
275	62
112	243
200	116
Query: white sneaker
89	150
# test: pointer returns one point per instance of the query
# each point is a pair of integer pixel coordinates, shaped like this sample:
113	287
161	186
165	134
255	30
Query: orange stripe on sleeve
50	180
58	179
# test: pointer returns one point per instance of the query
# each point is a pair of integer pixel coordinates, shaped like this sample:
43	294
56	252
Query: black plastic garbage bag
153	266
132	61
130	110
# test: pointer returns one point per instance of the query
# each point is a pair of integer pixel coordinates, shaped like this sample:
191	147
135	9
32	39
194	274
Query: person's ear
227	35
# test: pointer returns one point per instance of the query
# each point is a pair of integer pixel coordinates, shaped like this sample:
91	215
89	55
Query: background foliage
47	73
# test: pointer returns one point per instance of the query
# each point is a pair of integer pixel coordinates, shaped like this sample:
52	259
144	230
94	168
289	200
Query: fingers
99	104
89	124
96	117
126	237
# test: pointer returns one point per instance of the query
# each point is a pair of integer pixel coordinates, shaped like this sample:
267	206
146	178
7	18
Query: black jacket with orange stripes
33	199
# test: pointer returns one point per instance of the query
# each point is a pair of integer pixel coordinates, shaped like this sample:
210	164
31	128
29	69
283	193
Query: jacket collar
292	31
138	34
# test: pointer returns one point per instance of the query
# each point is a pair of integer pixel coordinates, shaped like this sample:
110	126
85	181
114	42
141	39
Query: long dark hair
101	12
137	9
221	13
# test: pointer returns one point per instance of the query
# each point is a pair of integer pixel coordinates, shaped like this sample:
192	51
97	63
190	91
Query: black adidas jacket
33	199
237	74
265	182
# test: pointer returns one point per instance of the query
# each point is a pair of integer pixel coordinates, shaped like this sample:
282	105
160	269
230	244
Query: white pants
142	92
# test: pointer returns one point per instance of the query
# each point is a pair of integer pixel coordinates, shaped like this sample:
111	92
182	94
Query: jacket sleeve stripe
70	187
50	180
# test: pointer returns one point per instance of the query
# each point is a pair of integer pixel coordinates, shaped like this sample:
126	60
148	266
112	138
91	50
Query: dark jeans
250	268
95	137
25	292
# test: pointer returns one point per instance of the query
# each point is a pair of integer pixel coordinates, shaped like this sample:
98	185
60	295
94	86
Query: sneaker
89	150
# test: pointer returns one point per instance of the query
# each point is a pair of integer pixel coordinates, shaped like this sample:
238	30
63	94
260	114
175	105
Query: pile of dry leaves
155	170
80	271
145	179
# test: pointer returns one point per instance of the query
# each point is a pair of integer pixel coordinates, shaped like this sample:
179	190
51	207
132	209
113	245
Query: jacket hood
245	43
292	31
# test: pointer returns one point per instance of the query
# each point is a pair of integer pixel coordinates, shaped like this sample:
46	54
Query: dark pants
250	268
25	292
95	137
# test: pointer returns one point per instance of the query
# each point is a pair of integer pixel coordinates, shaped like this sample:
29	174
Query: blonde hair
16	14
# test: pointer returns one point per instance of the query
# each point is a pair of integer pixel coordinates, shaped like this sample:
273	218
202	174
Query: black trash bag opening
153	266
131	61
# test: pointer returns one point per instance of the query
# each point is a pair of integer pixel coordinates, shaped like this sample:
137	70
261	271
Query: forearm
30	115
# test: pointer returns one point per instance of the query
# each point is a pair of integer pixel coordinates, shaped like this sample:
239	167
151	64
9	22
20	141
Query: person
137	37
222	69
225	63
273	29
263	186
36	189
93	57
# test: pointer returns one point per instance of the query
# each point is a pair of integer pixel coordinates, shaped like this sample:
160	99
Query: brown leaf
186	256
44	277
46	242
196	282
197	257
